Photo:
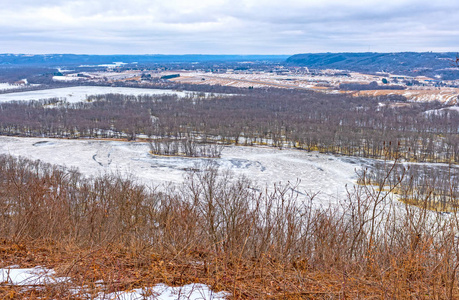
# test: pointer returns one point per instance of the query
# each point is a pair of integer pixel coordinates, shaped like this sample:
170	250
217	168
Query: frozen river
312	172
80	93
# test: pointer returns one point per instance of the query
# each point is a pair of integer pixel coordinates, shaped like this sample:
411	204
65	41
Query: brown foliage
220	231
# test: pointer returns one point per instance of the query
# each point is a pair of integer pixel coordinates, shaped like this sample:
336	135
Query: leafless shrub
225	232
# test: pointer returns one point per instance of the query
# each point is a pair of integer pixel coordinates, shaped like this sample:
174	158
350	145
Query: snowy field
80	93
312	172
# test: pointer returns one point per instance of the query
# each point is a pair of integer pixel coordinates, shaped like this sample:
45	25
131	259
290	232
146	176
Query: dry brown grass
221	231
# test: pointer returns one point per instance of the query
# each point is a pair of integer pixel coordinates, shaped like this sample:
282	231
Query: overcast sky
227	26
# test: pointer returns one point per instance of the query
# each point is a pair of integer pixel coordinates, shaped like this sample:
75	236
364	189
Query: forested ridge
408	63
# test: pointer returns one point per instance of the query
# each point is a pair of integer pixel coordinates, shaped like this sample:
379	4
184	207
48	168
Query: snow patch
438	111
30	276
16	86
65	78
163	292
40	276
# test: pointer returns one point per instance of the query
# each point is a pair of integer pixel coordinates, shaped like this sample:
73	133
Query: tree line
340	124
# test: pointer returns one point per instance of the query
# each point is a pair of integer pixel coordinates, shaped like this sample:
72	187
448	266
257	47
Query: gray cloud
224	26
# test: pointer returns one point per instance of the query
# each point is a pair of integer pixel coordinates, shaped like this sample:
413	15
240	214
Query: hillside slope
407	63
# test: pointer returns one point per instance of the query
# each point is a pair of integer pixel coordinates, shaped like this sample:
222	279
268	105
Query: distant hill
77	59
406	63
